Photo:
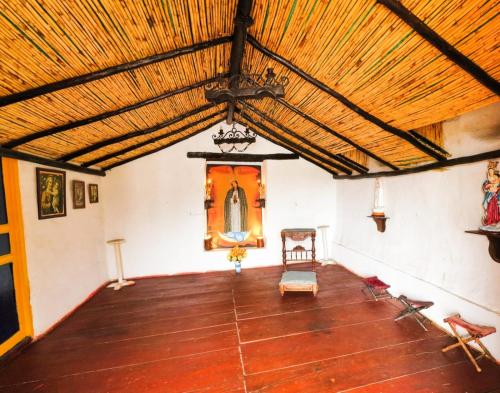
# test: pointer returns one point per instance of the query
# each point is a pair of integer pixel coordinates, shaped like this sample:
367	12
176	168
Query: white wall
156	204
65	255
425	252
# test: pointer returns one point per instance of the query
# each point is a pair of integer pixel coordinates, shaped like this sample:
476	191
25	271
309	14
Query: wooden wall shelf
380	221
494	239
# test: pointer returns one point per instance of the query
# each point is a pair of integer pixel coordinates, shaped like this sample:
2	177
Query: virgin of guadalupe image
235	213
491	201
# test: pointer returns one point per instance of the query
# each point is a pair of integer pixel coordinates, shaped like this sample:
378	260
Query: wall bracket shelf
380	221
494	239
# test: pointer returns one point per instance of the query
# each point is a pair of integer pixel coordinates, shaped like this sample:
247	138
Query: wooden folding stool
413	307
476	332
377	288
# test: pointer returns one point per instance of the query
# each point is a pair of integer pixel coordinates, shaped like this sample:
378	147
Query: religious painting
78	188
93	193
491	200
234	215
51	193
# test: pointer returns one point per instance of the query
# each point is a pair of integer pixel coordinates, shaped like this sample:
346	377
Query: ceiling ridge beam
18	155
490	155
149	141
347	103
241	22
357	167
336	134
133	134
284	145
241	157
92	76
127	160
103	116
442	45
297	148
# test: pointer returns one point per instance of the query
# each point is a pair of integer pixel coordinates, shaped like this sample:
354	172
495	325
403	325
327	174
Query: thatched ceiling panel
139	119
143	138
53	40
151	147
110	93
368	54
463	24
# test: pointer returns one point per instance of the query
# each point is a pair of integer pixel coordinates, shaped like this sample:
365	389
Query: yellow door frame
17	254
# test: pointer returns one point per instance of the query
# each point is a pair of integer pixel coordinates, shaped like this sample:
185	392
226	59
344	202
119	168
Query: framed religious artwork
93	193
234	215
51	193
78	188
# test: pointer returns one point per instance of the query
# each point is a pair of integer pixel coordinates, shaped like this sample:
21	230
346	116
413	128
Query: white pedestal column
324	236
119	266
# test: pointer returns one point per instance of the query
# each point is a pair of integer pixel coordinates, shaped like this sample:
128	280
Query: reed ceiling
100	82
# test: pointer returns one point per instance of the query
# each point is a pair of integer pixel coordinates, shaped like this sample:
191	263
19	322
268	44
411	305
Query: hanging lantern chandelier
234	139
246	86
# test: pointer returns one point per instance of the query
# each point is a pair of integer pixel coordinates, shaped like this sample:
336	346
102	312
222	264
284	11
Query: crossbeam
241	157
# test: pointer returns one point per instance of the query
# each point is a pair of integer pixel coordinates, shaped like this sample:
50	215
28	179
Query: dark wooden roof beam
92	76
103	116
346	102
284	144
241	157
336	134
164	146
442	45
242	21
133	134
355	166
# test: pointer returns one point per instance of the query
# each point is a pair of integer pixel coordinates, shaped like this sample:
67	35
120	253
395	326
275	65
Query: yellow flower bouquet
237	254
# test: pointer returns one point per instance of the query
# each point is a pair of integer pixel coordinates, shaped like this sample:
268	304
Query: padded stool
298	281
377	288
475	333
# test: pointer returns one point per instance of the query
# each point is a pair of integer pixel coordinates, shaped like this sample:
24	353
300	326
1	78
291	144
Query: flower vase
237	266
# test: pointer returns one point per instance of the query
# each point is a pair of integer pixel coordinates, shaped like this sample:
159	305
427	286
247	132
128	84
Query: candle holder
380	220
209	203
208	242
261	203
260	242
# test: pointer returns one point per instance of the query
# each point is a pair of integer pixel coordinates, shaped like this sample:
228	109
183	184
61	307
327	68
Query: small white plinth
121	282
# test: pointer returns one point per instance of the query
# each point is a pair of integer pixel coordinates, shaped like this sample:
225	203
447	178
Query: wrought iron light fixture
246	86
234	139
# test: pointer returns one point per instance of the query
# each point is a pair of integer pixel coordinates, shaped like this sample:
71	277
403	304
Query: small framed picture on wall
93	193
51	193
78	188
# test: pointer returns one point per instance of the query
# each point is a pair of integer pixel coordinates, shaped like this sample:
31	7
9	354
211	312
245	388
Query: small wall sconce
208	194
208	242
261	201
378	213
260	241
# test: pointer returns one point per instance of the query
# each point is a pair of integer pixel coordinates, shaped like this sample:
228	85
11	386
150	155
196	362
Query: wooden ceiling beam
241	23
107	168
285	145
18	155
133	134
442	45
103	116
337	157
150	141
241	157
93	76
292	145
346	102
336	134
490	155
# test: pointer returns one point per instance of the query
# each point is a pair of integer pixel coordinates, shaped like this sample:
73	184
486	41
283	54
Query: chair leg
420	322
485	350
464	347
282	290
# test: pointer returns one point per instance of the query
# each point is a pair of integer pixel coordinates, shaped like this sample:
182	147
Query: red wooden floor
226	333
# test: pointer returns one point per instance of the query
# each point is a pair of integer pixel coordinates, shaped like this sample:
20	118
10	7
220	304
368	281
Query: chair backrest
299	252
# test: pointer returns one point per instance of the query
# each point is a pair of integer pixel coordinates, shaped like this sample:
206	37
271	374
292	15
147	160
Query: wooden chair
299	281
377	288
413	308
476	332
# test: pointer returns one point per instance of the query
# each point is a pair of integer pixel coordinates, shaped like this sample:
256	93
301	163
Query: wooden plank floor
222	332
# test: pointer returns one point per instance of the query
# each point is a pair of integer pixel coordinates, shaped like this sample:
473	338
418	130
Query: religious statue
235	210
491	201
